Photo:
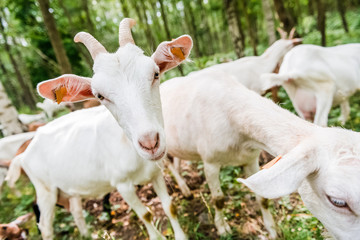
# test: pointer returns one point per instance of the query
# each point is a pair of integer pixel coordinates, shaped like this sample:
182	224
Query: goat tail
14	171
269	80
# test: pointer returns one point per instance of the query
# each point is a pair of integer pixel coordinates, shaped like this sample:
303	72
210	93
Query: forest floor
196	214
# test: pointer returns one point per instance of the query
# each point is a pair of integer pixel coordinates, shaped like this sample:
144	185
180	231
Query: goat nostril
150	142
157	140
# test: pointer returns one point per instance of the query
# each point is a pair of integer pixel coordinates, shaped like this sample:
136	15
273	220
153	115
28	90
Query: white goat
317	78
247	71
8	147
223	123
126	82
86	154
29	118
49	107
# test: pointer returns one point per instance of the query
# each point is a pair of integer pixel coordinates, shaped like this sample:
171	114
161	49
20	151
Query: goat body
10	145
223	123
317	78
86	154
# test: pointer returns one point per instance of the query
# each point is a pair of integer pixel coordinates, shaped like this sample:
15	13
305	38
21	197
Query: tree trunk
269	21
9	87
285	18
163	17
190	21
54	36
231	11
89	23
311	7
321	20
251	22
84	54
124	8
27	92
26	74
342	12
206	28
8	115
141	13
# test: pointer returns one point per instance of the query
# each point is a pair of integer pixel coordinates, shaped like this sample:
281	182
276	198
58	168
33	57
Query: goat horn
90	43
125	31
292	32
282	33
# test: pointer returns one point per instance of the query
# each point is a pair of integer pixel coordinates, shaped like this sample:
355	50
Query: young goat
247	71
223	123
76	155
317	78
127	83
13	230
86	154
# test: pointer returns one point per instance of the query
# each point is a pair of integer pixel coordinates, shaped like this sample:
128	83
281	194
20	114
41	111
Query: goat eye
337	202
99	96
156	75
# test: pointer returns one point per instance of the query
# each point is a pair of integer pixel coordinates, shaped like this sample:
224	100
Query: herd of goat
216	115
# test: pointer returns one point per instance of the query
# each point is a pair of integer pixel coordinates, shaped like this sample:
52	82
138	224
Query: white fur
86	154
317	78
29	118
9	145
247	71
126	84
49	107
214	118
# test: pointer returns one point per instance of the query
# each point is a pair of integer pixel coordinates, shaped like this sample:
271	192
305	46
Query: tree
341	9
54	36
251	22
231	11
28	94
85	55
321	20
89	23
9	87
190	22
286	19
8	115
141	13
163	16
269	21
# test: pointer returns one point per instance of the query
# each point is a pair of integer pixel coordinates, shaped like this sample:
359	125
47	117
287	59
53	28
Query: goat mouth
155	158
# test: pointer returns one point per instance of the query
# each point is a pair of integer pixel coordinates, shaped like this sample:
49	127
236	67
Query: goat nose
150	142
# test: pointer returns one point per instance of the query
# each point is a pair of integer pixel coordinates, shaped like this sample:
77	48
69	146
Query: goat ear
170	54
285	176
66	88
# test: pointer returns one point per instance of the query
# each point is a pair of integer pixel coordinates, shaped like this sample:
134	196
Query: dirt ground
245	220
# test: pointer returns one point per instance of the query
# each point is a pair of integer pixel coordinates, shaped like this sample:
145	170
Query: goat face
127	83
333	194
325	169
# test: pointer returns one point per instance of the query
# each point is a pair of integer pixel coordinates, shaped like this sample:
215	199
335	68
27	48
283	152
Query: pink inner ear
163	56
77	88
